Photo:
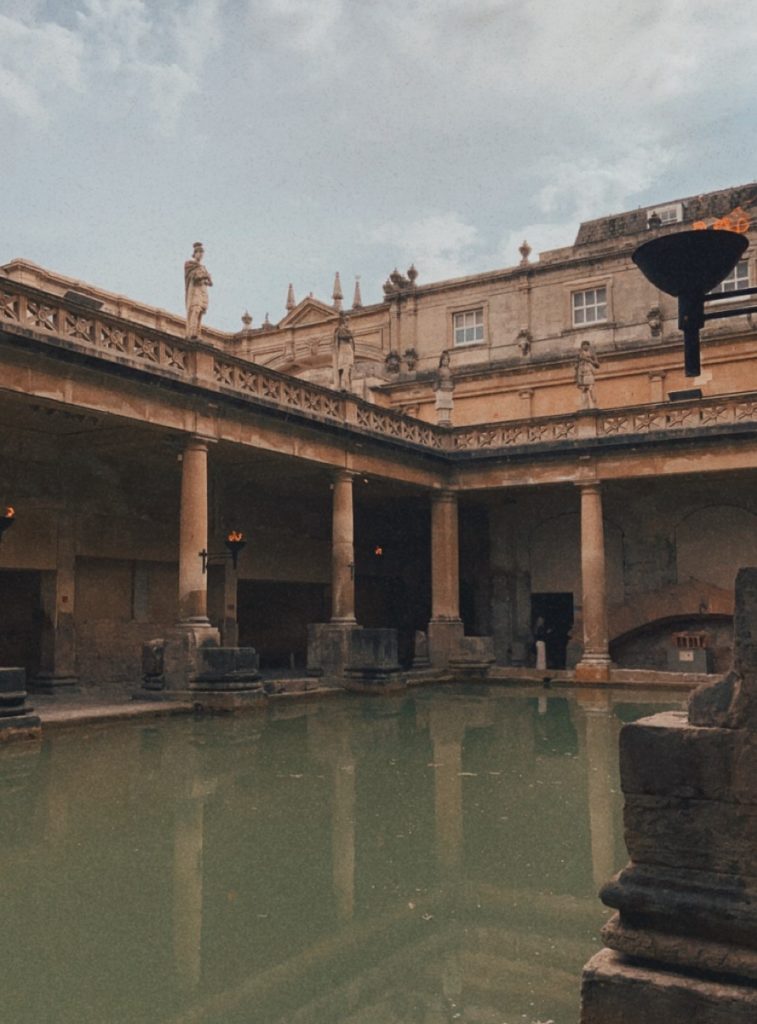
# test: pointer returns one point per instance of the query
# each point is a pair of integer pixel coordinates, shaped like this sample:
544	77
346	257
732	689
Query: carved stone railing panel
508	435
699	413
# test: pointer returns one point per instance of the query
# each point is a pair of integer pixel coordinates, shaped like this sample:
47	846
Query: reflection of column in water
447	737
600	734
187	884
343	837
330	742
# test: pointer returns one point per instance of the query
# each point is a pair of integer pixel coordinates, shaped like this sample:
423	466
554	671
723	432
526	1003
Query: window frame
469	311
665	208
584	291
724	296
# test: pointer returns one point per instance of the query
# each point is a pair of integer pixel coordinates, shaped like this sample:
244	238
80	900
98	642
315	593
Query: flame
736	221
378	551
10	512
235	537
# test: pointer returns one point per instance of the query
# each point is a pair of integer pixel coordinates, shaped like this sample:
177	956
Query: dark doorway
21	623
274	616
557	612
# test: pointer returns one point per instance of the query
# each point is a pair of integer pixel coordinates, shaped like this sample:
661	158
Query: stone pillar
445	630
342	551
193	534
57	596
594	665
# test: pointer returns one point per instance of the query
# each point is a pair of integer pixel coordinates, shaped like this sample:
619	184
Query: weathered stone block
617	991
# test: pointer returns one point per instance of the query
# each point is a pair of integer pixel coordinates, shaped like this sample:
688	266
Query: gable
309	311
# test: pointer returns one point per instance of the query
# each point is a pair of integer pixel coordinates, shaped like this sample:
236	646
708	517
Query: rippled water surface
430	858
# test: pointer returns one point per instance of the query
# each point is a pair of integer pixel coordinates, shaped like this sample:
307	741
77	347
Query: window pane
579	316
590	315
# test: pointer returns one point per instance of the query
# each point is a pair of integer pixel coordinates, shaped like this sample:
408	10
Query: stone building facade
616	510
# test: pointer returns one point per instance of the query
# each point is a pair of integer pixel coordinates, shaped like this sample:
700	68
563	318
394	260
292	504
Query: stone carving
344	354
197	280
411	359
586	365
523	340
525	251
444	386
392	362
654	319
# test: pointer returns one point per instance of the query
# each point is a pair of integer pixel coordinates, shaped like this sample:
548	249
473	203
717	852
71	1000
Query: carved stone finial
357	300
197	280
291	303
247	320
412	274
266	322
525	251
337	295
411	359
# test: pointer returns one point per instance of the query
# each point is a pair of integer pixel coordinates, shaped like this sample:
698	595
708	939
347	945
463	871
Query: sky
295	138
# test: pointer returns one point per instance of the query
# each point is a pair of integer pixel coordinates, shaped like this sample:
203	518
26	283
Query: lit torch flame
10	512
736	221
235	537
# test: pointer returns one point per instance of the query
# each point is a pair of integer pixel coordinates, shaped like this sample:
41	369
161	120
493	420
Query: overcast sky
300	137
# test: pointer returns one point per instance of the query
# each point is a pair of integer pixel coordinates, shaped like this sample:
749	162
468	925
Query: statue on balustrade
344	354
444	386
586	365
197	280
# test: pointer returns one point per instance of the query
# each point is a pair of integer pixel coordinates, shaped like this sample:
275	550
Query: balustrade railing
27	309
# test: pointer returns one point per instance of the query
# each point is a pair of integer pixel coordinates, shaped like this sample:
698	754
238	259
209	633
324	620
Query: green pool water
430	858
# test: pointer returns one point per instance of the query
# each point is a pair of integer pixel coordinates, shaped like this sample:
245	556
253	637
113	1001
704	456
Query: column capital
343	475
589	486
445	495
197	443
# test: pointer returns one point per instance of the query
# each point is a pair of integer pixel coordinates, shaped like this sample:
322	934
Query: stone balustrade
35	314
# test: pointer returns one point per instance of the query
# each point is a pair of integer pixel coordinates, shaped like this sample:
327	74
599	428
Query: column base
593	669
615	990
329	646
48	683
444	641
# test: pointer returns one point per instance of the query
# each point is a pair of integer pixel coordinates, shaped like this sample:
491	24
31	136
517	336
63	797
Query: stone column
445	630
57	598
193	534
599	733
594	665
342	551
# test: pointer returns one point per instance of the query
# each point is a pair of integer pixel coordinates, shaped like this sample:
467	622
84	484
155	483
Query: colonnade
445	626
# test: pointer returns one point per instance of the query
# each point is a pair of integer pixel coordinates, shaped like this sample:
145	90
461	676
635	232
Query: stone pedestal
444	641
373	665
683	943
328	647
16	718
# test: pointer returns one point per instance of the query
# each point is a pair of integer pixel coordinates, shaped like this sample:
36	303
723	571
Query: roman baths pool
430	858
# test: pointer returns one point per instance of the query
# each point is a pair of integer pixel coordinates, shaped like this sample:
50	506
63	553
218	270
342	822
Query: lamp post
688	265
234	542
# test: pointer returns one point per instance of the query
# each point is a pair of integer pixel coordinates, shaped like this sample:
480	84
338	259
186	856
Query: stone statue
654	319
444	385
344	354
196	282
392	362
586	364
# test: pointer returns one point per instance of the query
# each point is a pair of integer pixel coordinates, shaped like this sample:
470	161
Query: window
469	326
670	214
738	278
590	306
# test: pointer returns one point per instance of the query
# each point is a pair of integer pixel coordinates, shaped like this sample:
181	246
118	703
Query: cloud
115	50
441	245
307	26
35	62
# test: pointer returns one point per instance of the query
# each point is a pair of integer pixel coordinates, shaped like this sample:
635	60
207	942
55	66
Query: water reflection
432	858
